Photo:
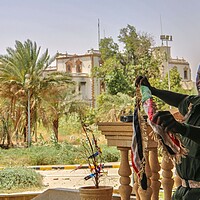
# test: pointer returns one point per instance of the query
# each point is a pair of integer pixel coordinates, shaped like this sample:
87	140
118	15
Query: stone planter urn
93	193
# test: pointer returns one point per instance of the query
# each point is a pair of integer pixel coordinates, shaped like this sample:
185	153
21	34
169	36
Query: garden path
75	179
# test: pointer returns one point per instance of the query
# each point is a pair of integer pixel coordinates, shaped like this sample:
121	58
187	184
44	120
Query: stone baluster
155	168
124	171
135	187
167	181
146	194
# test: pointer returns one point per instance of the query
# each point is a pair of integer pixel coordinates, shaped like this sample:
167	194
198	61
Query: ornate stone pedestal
120	134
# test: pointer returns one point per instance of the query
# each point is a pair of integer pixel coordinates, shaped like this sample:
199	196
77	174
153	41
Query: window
82	89
78	66
69	66
185	74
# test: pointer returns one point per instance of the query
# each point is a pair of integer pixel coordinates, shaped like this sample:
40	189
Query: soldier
189	130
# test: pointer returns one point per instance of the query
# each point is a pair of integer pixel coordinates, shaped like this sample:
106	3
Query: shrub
60	154
110	154
19	178
43	155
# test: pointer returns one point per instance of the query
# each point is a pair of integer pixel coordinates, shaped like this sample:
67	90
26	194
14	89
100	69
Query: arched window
185	73
69	66
78	66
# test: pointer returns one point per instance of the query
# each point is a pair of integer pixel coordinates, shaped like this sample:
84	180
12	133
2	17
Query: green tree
163	83
62	102
117	83
108	48
21	71
175	81
134	59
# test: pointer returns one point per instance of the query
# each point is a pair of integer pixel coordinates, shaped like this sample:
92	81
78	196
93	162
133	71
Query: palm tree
26	59
53	99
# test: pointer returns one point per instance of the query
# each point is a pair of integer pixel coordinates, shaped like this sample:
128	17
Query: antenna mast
98	33
161	28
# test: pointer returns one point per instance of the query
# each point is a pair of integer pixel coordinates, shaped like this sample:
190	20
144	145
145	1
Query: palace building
168	63
89	87
80	67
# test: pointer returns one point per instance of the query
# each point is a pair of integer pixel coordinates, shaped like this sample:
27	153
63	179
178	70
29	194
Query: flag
170	143
137	157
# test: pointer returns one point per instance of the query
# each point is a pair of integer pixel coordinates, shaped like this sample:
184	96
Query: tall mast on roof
98	33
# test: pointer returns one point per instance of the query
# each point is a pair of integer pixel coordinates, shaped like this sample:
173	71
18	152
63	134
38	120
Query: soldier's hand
167	121
142	80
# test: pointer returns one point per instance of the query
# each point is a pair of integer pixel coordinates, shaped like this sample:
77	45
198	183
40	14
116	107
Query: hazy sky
71	25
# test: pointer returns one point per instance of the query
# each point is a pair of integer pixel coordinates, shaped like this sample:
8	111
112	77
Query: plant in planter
92	153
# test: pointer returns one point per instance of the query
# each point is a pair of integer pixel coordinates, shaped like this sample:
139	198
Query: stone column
146	194
135	187
124	171
155	168
167	181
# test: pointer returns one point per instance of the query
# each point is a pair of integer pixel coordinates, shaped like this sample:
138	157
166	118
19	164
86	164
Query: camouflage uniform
189	169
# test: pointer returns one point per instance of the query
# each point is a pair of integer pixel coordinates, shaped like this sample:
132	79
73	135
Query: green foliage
21	73
108	48
18	178
70	125
117	83
109	105
175	81
134	59
110	154
62	153
55	154
175	86
42	155
90	117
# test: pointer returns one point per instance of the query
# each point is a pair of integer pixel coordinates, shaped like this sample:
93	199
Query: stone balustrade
120	134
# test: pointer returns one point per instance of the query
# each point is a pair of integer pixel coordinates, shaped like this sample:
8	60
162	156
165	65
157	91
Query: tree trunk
55	127
8	130
25	133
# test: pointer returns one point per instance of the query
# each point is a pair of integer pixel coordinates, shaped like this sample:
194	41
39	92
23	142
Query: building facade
80	67
89	87
181	64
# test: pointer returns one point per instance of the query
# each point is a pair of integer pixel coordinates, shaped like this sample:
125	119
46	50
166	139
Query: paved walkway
67	177
72	167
